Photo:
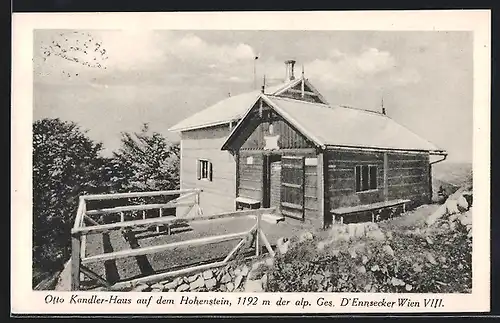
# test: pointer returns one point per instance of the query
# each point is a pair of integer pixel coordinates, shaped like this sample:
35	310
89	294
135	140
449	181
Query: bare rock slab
210	283
208	274
198	283
182	288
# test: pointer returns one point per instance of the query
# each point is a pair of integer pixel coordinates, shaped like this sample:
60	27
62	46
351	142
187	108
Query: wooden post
144	214
84	210
122	217
76	244
321	196
430	183
84	246
197	202
160	215
257	237
386	180
237	156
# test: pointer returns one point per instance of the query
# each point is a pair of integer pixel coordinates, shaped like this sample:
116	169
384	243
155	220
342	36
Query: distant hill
451	176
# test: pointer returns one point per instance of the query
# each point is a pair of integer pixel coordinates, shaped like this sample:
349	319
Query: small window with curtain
204	169
366	177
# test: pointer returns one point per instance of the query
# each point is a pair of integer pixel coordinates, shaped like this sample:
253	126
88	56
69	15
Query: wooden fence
86	222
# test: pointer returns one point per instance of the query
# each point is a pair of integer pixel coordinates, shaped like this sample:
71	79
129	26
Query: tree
148	162
66	164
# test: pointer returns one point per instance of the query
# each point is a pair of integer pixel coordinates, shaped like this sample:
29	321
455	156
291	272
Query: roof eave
367	148
295	123
207	125
225	145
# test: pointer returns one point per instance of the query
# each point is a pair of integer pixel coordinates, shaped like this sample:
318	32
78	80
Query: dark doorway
272	181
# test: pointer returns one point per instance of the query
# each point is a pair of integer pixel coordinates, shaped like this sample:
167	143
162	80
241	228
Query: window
366	178
204	169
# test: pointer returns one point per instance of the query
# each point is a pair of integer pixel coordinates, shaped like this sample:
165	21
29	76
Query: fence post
197	202
76	244
160	215
257	237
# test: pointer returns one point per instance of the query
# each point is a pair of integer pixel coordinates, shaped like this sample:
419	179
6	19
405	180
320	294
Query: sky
110	81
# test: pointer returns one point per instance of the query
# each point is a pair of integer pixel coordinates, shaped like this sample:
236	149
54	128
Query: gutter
444	154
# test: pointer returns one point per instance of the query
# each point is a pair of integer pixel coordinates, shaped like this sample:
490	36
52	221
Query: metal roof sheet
224	111
349	127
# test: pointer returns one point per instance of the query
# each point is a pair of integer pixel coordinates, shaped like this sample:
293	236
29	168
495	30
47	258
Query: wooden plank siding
251	143
257	128
341	188
218	195
251	180
407	177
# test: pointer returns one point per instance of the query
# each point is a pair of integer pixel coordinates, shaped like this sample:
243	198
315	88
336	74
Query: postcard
251	162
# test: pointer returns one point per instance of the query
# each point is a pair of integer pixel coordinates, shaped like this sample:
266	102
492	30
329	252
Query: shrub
65	165
439	262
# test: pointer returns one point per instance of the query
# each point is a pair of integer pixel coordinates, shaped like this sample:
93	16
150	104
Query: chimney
289	70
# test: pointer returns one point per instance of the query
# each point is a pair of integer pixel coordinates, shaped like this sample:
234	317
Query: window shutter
293	186
210	171
198	169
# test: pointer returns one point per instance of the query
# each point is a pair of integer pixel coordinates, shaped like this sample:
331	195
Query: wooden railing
87	222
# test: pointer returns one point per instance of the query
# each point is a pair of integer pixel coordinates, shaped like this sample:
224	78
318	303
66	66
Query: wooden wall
251	177
256	126
289	138
408	177
251	143
219	194
341	182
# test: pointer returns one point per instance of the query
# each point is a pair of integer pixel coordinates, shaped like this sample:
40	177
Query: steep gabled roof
227	110
301	89
342	126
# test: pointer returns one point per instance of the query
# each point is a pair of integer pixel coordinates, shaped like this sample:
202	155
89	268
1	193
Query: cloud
133	48
193	47
139	55
372	65
237	79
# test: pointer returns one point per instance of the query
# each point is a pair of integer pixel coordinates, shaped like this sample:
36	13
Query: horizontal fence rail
91	222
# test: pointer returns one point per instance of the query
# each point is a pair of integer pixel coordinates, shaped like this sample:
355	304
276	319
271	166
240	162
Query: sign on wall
311	161
271	142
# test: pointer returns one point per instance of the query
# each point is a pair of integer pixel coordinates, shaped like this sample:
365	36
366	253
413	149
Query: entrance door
272	181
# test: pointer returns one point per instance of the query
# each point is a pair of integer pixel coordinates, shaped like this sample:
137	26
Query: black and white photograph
254	161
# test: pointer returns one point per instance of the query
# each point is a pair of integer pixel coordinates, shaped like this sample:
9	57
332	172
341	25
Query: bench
344	211
246	203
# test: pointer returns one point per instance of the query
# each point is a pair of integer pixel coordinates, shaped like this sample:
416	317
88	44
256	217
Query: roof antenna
263	84
382	105
302	70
